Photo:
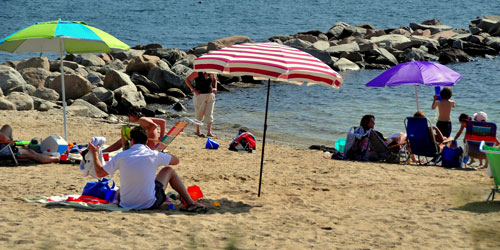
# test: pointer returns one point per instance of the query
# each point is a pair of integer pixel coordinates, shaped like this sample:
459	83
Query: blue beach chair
421	142
493	156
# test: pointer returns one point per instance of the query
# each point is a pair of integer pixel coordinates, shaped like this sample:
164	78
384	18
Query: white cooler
54	144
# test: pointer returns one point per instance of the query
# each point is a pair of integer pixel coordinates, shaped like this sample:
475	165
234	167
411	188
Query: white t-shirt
137	167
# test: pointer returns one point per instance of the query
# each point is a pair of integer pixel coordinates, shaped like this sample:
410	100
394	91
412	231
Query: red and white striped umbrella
270	61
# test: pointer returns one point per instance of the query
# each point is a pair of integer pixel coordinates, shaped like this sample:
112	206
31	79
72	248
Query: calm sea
299	115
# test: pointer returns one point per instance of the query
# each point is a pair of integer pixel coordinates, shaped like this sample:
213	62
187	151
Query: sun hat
480	116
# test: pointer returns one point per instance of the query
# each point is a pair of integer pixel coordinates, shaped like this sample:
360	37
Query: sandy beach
307	201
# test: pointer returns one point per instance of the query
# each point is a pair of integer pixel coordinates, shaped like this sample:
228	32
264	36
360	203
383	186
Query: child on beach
444	108
463	118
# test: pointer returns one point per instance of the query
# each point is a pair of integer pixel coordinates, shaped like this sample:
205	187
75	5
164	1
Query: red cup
64	158
105	156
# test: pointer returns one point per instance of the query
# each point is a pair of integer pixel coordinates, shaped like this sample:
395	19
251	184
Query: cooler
54	144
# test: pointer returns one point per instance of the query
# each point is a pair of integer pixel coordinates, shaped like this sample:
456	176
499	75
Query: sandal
195	208
201	135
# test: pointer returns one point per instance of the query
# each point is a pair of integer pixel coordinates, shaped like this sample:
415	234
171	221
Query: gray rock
55	65
89	60
336	30
139	79
384	57
75	86
226	41
46	94
142	64
95	78
115	79
175	92
22	100
298	43
433	28
127	55
43	105
321	45
344	65
102	106
5	104
452	55
133	100
350	47
93	111
188	61
321	55
10	78
390	40
493	42
171	55
26	88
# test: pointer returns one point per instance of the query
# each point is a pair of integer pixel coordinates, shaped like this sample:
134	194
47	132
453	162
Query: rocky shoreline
109	84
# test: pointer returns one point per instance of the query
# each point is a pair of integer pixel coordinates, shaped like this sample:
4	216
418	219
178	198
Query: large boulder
344	64
75	86
10	78
390	40
350	47
452	55
22	100
433	28
298	43
382	56
114	65
131	100
89	60
142	64
99	94
93	111
171	55
321	45
129	54
24	88
139	79
36	76
115	79
336	31
493	42
35	62
5	104
227	41
55	65
43	105
46	94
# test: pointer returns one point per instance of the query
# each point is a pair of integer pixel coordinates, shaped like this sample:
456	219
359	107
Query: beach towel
77	201
87	163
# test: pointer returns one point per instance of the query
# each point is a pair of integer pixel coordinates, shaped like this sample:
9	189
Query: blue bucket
340	144
211	144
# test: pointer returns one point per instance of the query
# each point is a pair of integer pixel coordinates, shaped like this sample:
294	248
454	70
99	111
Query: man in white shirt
140	188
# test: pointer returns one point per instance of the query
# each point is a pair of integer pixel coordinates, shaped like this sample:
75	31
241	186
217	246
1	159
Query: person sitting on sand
25	153
150	124
463	119
140	188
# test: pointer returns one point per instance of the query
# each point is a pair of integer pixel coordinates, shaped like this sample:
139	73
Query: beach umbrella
268	61
416	73
59	37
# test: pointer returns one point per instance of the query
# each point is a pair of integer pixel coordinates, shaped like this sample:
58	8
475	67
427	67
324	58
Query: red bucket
195	192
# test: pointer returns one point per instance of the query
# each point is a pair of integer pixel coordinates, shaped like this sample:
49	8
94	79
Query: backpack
243	141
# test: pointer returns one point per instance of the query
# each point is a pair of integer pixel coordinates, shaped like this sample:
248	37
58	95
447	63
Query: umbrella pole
416	94
63	90
264	136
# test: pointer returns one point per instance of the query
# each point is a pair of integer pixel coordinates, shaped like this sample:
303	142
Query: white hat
480	116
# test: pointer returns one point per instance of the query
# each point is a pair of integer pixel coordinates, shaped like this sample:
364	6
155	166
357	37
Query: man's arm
162	123
93	150
215	82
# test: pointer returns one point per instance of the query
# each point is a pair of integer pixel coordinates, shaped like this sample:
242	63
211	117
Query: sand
306	202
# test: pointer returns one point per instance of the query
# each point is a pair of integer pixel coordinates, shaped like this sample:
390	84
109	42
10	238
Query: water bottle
437	90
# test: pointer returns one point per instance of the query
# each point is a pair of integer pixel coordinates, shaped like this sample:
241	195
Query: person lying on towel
23	153
140	188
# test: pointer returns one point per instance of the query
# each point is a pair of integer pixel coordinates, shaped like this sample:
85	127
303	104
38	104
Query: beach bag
100	189
452	157
244	141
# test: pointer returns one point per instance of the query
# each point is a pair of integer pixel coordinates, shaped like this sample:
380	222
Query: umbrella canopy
268	61
61	36
415	73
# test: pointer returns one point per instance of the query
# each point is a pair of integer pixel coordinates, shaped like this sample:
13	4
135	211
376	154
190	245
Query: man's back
137	167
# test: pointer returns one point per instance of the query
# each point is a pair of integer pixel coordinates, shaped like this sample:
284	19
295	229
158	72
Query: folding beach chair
7	151
421	140
475	132
493	156
378	150
171	134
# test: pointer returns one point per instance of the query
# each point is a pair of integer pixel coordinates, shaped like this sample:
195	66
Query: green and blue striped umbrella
61	36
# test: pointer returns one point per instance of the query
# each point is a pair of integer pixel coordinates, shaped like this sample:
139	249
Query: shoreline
307	201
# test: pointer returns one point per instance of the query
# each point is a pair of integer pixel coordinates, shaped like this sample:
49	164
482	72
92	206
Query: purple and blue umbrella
416	73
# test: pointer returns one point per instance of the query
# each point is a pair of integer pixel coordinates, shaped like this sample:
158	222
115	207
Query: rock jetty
112	83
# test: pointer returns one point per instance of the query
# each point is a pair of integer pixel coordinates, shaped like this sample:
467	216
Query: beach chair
421	140
475	132
7	152
379	151
171	135
493	156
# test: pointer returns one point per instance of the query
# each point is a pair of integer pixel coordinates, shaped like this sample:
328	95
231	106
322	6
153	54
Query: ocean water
298	115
